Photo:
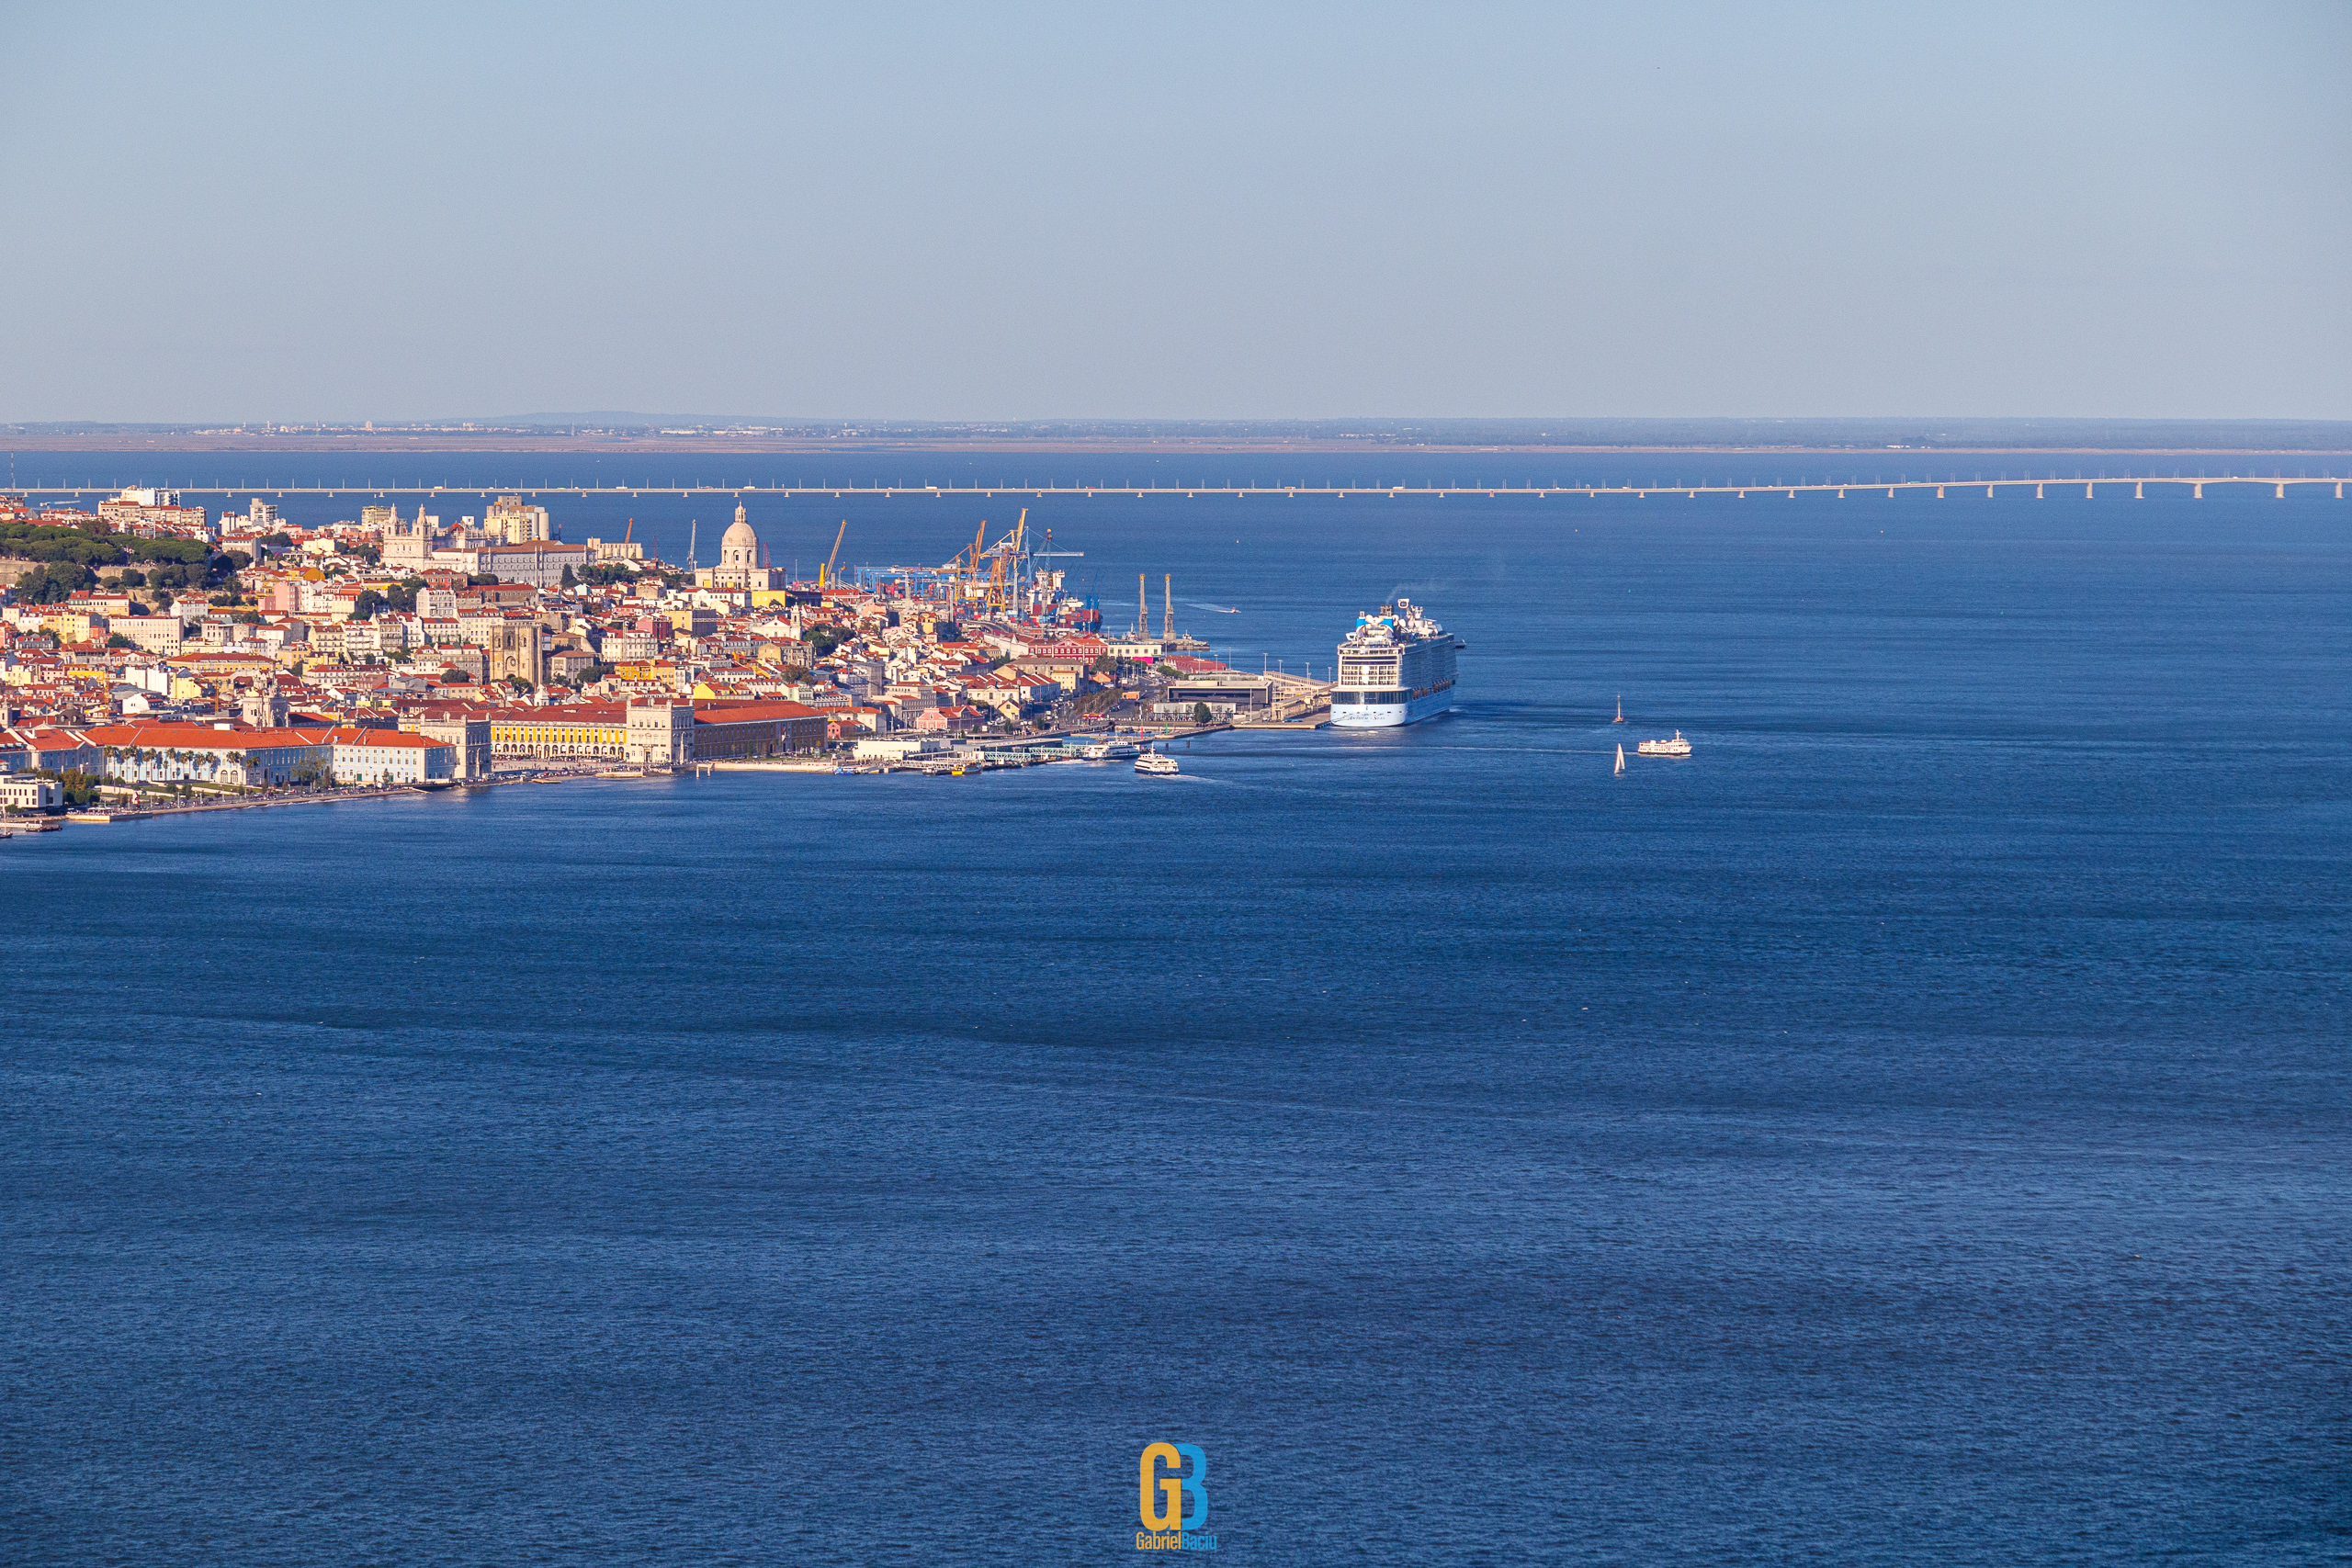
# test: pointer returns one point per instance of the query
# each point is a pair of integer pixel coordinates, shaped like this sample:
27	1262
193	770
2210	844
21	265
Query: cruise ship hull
1387	715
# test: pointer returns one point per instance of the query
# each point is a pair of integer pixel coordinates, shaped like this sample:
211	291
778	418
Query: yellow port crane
825	572
993	574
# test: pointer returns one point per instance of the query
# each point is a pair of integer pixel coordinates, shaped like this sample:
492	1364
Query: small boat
1677	747
1620	757
1156	765
1620	709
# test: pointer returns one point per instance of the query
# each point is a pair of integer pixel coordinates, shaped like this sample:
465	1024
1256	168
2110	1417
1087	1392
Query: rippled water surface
1912	1130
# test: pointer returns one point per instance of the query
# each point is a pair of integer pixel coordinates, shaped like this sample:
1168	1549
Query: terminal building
1225	693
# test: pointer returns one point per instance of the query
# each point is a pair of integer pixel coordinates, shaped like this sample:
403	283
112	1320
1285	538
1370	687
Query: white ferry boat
1677	747
1156	765
1395	667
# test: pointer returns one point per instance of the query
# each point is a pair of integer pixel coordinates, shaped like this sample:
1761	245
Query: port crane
825	572
999	578
1049	553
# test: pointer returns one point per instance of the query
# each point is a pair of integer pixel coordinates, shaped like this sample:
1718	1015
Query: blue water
1912	1131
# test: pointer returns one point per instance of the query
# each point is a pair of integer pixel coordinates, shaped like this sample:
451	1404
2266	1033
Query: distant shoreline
717	445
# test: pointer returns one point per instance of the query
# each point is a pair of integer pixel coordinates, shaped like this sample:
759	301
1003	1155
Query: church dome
739	546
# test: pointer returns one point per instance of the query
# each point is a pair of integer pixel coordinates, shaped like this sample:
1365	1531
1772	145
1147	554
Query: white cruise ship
1396	668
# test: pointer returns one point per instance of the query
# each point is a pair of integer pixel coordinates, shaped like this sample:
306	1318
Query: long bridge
2195	484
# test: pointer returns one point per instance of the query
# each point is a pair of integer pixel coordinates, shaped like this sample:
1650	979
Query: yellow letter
1162	1495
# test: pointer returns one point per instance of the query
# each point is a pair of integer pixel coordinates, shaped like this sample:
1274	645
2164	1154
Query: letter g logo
1173	1502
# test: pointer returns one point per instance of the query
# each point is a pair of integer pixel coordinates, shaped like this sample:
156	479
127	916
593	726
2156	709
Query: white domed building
739	569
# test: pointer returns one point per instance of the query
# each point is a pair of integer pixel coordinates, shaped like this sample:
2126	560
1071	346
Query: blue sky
949	212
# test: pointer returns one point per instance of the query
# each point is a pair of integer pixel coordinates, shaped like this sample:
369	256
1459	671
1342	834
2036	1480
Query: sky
984	213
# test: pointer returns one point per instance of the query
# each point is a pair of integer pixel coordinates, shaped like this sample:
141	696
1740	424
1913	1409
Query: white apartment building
22	793
516	523
391	756
159	635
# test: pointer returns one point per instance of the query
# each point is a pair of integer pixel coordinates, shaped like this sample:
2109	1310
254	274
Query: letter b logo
1173	1502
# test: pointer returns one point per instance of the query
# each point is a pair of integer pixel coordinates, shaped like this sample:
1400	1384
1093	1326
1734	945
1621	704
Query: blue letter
1195	1493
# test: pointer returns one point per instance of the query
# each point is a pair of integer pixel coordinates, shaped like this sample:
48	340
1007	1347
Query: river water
1911	1129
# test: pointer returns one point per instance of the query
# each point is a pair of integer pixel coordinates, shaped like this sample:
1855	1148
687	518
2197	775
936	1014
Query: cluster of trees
59	578
594	673
53	583
79	788
36	541
96	546
399	597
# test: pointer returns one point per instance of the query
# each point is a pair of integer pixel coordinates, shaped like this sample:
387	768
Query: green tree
1201	714
117	640
364	608
47	543
176	552
568	580
52	583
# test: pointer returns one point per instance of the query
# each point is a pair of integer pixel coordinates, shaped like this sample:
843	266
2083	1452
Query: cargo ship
1396	668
